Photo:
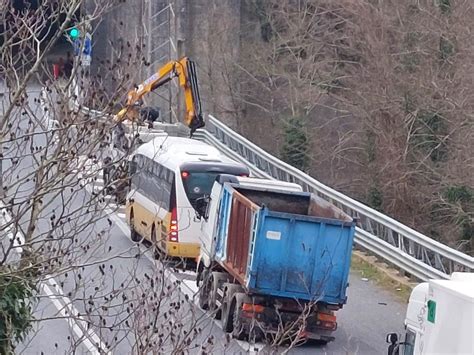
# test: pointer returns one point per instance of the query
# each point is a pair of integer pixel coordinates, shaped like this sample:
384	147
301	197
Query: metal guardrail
407	249
387	238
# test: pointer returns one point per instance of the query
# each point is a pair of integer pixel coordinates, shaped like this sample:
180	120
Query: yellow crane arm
185	70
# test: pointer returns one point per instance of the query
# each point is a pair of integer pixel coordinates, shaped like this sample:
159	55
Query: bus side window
137	180
170	177
148	165
136	166
165	191
140	163
132	167
156	168
153	188
163	174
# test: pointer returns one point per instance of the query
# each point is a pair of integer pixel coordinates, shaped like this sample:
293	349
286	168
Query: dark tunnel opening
31	9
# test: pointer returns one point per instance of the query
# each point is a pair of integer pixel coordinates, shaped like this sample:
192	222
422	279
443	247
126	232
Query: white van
439	319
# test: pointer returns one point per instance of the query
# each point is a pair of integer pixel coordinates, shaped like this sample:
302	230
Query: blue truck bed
292	245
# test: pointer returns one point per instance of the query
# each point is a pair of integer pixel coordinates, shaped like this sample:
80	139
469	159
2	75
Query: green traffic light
74	33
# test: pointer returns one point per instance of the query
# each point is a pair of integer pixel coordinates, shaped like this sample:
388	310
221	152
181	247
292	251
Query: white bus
169	177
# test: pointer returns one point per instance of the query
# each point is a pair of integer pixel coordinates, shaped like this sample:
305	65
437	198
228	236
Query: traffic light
74	33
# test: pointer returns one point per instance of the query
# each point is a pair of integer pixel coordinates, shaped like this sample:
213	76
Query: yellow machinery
185	70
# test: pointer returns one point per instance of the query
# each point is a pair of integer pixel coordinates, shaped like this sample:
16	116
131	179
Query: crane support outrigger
185	70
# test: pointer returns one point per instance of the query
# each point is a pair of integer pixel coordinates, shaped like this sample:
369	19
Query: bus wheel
158	254
133	233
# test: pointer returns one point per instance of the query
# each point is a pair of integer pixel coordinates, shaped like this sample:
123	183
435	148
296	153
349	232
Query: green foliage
412	39
370	146
296	146
15	311
459	194
410	58
265	26
444	6
467	230
409	103
463	197
410	61
375	198
446	48
433	121
430	129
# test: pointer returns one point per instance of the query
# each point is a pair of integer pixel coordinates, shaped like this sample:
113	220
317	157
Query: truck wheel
256	334
218	278
134	236
229	291
235	313
226	320
204	289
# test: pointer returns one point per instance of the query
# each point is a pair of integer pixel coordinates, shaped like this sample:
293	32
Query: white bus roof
173	151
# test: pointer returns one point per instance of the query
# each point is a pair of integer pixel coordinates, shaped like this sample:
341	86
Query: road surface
118	293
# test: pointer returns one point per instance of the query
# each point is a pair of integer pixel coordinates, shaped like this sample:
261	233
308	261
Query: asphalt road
115	289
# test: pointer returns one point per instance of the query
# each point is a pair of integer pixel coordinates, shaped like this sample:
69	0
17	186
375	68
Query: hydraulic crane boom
185	70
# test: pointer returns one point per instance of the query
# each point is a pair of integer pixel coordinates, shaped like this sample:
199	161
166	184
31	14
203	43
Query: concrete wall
118	44
205	30
213	39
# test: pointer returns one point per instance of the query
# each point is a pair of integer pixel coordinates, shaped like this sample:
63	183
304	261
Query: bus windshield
198	183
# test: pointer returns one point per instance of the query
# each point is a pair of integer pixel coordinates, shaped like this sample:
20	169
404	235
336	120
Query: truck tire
218	279
134	236
256	334
205	289
235	313
229	291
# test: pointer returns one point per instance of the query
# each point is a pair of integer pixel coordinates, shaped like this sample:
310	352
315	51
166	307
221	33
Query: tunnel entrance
45	10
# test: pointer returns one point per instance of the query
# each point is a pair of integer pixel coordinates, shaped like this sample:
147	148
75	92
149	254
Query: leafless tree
289	74
58	239
383	89
410	87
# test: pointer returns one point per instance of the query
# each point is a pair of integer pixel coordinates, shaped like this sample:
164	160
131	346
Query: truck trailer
440	318
274	260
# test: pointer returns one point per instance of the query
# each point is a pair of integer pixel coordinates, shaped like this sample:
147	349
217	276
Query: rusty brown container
238	239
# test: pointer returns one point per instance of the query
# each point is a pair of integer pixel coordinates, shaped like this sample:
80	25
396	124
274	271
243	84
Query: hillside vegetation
374	98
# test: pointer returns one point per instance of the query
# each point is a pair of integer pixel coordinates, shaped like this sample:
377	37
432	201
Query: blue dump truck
274	261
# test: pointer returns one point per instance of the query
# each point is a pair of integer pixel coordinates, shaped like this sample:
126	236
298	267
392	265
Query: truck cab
440	318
